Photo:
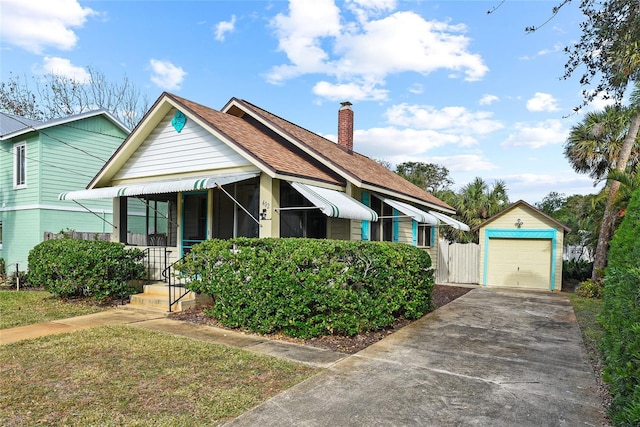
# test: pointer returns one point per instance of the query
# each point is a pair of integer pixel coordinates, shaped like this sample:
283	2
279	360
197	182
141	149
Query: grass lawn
126	376
587	311
18	308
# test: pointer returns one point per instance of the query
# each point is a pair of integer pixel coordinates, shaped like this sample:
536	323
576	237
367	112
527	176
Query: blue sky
433	81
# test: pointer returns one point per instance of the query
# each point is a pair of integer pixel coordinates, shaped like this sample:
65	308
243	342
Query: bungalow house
188	173
38	160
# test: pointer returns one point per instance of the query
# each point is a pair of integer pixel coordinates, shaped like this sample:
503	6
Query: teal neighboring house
38	161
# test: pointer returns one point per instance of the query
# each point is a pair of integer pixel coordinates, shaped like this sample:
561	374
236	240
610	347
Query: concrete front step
156	297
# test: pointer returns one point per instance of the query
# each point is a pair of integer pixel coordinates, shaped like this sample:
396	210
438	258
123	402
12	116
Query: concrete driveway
489	358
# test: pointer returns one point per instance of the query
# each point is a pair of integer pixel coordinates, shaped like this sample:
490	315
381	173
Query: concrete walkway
489	358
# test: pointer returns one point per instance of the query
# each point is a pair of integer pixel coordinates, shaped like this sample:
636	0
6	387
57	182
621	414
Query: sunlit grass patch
120	375
18	308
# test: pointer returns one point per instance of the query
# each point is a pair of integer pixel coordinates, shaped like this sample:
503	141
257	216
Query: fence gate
458	263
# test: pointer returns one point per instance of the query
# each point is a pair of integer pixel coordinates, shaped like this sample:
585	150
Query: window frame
20	166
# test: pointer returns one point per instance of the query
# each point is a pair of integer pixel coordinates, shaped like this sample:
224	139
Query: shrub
307	287
3	269
621	319
576	270
591	289
98	269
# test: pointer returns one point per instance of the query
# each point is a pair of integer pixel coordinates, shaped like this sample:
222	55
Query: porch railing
156	260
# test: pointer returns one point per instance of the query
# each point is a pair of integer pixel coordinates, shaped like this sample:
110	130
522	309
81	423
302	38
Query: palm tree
593	146
603	142
476	202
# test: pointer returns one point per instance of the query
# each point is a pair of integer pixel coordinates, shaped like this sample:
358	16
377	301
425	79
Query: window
304	219
20	165
229	219
0	234
149	220
424	235
383	229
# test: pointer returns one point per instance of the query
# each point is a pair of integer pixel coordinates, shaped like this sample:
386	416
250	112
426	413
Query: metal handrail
177	290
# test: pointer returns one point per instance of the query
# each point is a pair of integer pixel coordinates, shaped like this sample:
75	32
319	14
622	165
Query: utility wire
50	164
28	126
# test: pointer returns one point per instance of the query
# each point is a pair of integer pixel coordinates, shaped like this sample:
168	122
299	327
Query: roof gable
244	139
526	206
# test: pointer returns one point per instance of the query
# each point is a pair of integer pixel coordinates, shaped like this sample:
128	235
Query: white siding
165	151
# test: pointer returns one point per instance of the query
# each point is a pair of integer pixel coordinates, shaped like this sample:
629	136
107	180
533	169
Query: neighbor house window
0	234
20	166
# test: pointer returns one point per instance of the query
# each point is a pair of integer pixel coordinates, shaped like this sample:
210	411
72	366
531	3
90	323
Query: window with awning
158	187
333	203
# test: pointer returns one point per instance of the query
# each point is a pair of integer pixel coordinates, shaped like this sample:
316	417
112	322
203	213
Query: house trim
534	233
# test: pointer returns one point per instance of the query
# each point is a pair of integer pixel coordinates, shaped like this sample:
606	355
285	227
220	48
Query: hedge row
308	287
621	319
98	269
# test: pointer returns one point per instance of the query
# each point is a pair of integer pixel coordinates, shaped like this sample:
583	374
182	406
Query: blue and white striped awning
335	203
158	187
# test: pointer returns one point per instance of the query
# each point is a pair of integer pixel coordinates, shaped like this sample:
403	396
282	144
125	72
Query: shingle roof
288	149
361	167
277	155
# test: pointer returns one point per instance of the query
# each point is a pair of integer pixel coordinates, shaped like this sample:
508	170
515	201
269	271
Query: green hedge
621	319
308	287
98	269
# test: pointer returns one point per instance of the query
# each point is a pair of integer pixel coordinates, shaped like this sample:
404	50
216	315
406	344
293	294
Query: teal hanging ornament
178	121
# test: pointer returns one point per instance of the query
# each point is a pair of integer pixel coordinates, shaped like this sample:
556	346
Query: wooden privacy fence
458	263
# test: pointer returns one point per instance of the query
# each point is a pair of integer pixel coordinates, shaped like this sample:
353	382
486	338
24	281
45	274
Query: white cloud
64	67
300	34
463	163
534	187
537	135
457	120
349	91
38	24
416	88
542	102
364	9
314	41
224	27
166	75
488	99
396	145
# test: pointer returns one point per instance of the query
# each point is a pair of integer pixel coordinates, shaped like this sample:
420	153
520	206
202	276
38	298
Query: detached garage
521	247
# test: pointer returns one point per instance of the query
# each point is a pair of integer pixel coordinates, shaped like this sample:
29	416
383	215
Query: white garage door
523	263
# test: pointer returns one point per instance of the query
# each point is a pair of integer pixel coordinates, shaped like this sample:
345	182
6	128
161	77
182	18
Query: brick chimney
345	127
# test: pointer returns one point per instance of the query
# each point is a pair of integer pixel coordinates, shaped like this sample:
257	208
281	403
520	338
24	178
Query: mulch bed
442	295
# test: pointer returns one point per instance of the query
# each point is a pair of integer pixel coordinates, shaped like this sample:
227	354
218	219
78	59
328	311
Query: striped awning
335	203
417	214
450	221
158	187
431	217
